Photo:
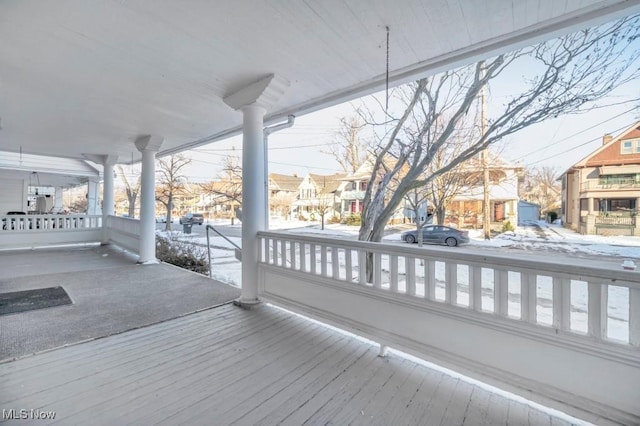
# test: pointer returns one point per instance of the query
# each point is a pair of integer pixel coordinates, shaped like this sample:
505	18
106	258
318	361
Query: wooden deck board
231	366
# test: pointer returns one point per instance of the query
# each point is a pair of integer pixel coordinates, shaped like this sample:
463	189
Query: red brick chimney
606	139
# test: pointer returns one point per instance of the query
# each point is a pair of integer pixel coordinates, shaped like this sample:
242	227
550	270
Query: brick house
601	193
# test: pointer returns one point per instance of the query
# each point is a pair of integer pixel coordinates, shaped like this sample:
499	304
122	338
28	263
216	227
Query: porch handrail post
148	146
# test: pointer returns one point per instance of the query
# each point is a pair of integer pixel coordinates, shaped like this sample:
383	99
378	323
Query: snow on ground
549	237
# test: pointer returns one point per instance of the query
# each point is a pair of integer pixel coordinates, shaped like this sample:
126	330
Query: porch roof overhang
620	170
87	78
46	171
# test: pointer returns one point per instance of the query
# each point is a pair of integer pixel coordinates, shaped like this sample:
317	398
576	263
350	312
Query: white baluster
561	303
430	279
312	258
634	316
529	297
393	271
323	260
451	283
362	267
410	269
597	309
303	257
377	270
501	292
294	254
283	253
475	288
348	266
335	263
276	257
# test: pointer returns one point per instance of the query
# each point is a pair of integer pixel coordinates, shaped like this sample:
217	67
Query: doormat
28	300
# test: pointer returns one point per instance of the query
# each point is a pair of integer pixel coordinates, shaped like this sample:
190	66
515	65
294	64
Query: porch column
636	219
58	199
92	196
253	218
107	194
148	146
253	100
590	208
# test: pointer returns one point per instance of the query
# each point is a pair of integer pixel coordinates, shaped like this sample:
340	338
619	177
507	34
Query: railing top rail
223	236
123	218
49	215
507	261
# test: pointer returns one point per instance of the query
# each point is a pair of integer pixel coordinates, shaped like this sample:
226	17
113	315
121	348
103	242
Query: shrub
334	219
507	227
354	219
552	216
182	254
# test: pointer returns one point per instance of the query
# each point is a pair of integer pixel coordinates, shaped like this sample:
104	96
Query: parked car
192	218
161	219
437	234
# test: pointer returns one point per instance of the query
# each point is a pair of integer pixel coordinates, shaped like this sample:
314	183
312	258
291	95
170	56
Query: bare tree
132	190
570	73
281	203
349	148
229	187
170	181
325	199
418	201
78	204
542	187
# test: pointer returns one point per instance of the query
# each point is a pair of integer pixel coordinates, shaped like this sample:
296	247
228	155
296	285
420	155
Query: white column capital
149	143
264	92
253	110
103	159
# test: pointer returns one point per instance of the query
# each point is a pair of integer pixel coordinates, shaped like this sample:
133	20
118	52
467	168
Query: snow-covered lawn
536	237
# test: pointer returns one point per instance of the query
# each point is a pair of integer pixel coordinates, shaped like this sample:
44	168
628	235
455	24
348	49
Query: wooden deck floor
231	366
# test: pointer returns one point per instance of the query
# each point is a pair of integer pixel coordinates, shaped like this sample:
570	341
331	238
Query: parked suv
192	218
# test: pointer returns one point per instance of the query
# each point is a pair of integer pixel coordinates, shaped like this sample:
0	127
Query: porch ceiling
81	77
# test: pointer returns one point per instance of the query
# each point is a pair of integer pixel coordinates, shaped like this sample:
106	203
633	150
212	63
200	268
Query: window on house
363	185
630	146
621	205
354	186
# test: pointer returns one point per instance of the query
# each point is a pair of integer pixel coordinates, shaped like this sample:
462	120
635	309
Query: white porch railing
42	230
124	231
564	332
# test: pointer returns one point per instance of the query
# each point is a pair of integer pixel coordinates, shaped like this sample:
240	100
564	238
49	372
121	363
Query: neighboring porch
264	366
609	216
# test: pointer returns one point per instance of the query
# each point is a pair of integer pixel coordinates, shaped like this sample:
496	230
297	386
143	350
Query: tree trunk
132	205
440	213
167	226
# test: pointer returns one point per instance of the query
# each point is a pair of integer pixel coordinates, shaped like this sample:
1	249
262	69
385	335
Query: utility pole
486	223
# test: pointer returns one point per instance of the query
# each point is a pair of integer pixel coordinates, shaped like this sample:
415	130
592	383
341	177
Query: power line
212	151
576	147
578	133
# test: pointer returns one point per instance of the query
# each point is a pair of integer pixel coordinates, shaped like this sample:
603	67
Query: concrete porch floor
110	293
